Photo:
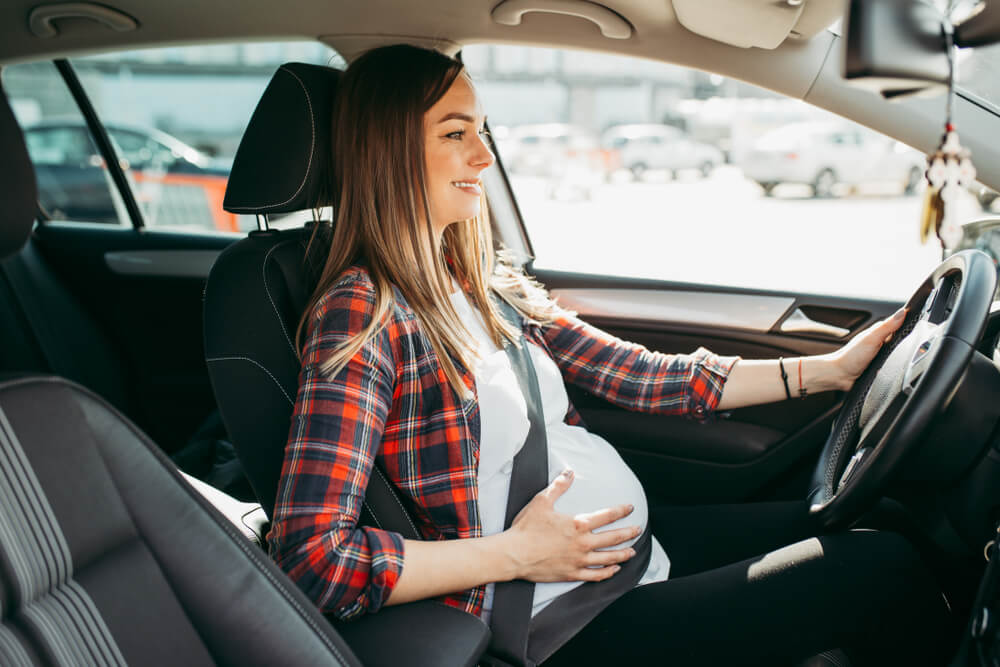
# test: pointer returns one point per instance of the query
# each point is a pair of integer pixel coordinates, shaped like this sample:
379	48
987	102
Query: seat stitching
396	498
61	612
267	290
312	149
213	513
244	546
259	365
11	649
832	657
372	512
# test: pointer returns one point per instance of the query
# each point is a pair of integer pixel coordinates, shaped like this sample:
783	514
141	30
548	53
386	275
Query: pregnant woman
405	363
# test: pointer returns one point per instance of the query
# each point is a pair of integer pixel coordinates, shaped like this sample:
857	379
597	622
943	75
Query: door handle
799	322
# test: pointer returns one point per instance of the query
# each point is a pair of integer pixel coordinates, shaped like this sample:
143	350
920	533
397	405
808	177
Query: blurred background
620	166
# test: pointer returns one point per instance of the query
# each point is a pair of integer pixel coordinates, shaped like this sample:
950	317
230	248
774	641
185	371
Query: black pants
750	585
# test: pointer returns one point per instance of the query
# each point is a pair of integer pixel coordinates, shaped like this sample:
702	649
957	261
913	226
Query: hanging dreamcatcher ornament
949	171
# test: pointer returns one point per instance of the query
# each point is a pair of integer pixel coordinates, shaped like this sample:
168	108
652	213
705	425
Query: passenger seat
106	556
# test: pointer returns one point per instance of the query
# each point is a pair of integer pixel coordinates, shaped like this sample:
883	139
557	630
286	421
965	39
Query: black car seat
258	287
256	293
107	557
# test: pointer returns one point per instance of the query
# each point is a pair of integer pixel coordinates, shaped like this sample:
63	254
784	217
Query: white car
827	154
568	157
651	146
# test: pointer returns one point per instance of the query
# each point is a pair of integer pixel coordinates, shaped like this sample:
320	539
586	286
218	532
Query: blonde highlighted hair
382	215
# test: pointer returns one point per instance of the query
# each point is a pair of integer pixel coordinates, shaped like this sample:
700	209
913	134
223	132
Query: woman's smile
472	187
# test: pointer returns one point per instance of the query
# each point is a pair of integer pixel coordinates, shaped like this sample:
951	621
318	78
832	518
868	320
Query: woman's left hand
854	357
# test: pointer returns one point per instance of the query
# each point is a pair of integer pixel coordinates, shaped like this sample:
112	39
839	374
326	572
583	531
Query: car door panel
763	451
160	275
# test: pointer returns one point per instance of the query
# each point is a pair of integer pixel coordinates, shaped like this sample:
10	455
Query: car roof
804	63
342	23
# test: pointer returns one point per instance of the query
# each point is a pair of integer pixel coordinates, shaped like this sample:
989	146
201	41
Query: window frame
102	140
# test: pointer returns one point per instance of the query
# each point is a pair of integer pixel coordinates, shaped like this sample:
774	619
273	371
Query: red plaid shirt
392	404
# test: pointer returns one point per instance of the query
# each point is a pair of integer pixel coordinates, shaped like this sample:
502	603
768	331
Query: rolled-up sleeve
634	377
336	431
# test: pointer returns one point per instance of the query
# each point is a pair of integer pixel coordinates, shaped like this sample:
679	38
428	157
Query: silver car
827	154
652	146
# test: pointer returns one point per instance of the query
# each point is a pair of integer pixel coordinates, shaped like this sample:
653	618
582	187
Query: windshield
979	73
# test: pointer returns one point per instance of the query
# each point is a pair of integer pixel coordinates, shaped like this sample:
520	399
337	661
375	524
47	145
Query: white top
601	478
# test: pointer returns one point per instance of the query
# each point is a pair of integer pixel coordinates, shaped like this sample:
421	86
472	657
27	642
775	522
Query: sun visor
765	24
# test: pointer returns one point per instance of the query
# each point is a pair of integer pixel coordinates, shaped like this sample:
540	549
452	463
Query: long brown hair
382	214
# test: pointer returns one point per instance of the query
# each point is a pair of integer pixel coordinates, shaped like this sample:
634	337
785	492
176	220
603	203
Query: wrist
504	549
823	373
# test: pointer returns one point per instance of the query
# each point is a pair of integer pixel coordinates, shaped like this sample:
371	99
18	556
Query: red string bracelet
802	390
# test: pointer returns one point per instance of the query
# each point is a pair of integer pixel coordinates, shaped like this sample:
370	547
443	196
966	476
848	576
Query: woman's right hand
546	546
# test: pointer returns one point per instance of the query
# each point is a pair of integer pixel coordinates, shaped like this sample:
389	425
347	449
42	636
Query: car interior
138	359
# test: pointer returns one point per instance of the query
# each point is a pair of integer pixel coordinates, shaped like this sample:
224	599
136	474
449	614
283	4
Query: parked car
641	147
73	180
567	156
827	154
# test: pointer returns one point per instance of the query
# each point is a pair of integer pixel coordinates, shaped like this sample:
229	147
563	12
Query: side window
176	116
686	176
73	180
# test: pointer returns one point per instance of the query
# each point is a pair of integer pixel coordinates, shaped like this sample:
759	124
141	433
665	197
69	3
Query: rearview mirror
898	47
895	47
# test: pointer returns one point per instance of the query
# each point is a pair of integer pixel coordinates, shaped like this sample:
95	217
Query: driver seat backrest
258	288
107	556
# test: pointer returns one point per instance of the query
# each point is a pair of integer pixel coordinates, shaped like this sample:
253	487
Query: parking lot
723	230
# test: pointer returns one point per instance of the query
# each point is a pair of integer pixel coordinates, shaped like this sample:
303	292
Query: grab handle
613	26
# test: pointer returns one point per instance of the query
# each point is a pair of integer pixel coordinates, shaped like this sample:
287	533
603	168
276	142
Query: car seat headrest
282	164
17	187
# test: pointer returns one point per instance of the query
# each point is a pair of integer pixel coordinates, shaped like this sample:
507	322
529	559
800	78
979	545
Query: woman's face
455	155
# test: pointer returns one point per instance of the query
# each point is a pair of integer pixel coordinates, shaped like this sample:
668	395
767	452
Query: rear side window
72	177
176	116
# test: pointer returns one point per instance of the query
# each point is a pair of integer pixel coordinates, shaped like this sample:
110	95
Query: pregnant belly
601	480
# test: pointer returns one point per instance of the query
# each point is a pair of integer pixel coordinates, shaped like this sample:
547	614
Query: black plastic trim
102	140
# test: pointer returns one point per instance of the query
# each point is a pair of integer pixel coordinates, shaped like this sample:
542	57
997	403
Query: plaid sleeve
335	433
634	377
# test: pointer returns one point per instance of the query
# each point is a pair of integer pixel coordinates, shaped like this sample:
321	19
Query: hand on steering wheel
909	381
854	357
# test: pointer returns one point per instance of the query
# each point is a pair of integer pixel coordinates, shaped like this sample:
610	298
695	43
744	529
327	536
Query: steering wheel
909	381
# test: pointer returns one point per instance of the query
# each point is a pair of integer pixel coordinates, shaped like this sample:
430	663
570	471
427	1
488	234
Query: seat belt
519	638
512	600
25	292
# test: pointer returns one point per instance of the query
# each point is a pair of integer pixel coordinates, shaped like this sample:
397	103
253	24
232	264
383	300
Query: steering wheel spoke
905	386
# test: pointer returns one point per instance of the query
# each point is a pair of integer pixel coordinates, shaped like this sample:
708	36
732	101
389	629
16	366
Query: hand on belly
590	495
546	545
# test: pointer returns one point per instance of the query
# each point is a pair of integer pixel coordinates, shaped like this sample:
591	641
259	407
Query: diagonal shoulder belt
518	638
